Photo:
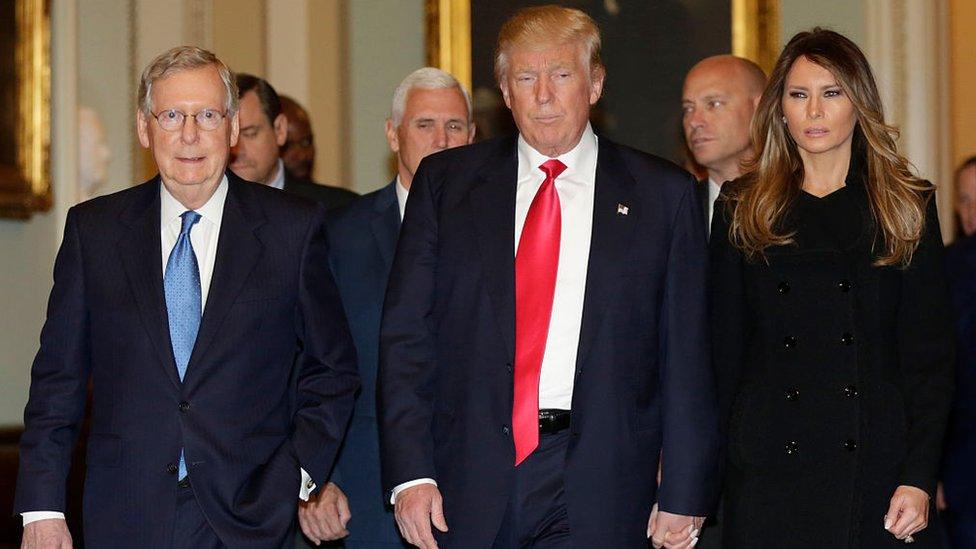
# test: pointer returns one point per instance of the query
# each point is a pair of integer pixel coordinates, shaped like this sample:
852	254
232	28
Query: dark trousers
536	514
192	531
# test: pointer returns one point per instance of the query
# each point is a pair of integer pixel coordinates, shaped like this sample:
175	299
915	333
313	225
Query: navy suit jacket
643	379
330	197
362	239
269	387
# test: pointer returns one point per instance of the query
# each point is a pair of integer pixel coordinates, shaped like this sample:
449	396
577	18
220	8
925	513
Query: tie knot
190	218
552	167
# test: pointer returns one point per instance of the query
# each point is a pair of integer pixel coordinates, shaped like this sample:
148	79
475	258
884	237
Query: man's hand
46	534
908	512
416	508
324	516
673	531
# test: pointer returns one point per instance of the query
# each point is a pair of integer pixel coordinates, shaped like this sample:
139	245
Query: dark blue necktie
181	283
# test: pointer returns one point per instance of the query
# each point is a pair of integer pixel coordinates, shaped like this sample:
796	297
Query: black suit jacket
269	386
330	197
643	380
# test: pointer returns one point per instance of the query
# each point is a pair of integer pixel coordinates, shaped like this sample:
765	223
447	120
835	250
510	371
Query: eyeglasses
172	120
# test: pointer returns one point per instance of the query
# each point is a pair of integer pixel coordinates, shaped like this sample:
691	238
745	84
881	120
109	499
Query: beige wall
962	17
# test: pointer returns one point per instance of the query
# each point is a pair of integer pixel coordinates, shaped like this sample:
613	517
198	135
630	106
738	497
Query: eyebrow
804	88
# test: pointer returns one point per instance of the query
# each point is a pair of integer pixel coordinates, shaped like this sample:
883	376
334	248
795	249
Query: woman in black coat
832	340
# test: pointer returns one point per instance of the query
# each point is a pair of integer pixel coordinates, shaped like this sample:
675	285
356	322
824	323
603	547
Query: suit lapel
385	224
141	254
493	210
238	250
612	236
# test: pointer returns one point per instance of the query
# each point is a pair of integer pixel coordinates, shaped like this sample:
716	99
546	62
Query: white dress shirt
402	194
713	191
203	238
575	187
279	179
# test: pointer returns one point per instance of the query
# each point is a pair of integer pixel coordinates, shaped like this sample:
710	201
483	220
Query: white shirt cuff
307	486
33	516
406	485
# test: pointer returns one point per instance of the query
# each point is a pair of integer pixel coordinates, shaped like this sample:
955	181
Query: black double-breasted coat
834	375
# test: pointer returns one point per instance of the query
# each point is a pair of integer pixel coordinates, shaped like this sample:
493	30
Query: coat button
792	448
783	288
850	445
850	391
184	406
792	394
509	367
789	342
506	430
844	285
847	338
171	469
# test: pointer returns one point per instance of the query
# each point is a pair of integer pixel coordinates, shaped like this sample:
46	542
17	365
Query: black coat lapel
142	260
614	218
493	216
238	250
386	224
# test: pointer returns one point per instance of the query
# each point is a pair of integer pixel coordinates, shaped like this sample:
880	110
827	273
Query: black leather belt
553	421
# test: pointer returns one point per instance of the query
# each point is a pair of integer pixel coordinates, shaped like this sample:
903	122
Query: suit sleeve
926	355
405	381
59	383
327	377
689	484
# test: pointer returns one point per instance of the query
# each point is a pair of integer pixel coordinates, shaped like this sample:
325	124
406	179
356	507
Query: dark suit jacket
269	387
362	239
643	380
330	197
701	191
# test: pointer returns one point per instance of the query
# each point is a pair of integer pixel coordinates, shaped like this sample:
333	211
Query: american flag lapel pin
622	209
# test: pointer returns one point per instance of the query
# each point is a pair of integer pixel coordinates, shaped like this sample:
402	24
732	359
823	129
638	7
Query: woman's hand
908	512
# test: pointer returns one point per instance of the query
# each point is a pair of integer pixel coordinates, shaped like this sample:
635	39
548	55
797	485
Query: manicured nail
887	524
694	533
693	542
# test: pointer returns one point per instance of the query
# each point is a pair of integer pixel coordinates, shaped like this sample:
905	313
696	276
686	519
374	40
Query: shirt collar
212	211
401	193
279	179
580	156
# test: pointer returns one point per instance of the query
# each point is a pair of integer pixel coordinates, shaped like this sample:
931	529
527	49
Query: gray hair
179	59
427	78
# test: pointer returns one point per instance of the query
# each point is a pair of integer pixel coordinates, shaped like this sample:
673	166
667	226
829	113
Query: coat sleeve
59	383
327	378
926	355
690	448
405	380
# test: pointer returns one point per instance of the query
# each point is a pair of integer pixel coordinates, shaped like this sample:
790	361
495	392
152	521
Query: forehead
250	109
191	86
805	70
967	179
712	80
430	103
543	55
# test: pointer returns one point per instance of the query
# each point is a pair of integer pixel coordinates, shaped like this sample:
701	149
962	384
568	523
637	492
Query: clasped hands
673	531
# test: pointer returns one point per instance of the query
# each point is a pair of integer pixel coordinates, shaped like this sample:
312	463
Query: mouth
548	118
190	159
697	141
816	132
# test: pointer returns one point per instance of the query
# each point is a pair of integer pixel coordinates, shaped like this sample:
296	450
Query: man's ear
597	77
503	85
142	128
280	129
391	136
471	132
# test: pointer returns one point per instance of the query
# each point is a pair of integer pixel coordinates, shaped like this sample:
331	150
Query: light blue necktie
181	283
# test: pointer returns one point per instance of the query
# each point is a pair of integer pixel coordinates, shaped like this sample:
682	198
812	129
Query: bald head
298	153
719	98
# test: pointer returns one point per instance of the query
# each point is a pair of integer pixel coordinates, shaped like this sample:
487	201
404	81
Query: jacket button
792	394
506	430
171	469
850	445
509	367
783	288
789	342
850	391
184	406
792	448
844	285
847	338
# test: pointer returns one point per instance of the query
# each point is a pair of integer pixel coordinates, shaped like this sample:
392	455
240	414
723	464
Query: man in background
719	98
431	112
264	129
298	153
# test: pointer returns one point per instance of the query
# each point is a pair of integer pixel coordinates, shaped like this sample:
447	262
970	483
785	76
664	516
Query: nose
189	133
543	91
440	137
814	108
695	120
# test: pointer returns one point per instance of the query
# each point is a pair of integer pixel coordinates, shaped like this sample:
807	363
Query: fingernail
695	533
887	524
693	542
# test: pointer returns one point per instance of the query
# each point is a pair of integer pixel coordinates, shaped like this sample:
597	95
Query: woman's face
819	115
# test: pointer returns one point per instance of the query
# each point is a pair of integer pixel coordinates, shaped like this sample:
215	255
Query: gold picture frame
25	185
755	34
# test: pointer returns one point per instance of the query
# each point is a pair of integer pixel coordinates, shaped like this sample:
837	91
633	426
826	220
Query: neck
825	172
728	170
405	177
193	197
272	175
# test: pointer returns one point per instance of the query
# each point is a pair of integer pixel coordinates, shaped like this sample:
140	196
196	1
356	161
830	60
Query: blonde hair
179	59
896	196
549	24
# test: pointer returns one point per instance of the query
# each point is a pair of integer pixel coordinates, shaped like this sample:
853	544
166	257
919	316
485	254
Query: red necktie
535	283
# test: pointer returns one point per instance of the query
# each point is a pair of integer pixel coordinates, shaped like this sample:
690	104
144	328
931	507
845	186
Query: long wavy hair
897	197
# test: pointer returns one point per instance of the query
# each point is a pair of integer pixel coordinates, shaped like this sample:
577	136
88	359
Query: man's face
433	120
255	157
298	153
189	157
718	110
966	200
550	90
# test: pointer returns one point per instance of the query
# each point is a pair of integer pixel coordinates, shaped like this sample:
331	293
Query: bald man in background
719	98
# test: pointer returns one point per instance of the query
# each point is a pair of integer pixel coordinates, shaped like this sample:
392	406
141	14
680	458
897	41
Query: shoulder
330	197
117	204
643	165
361	209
